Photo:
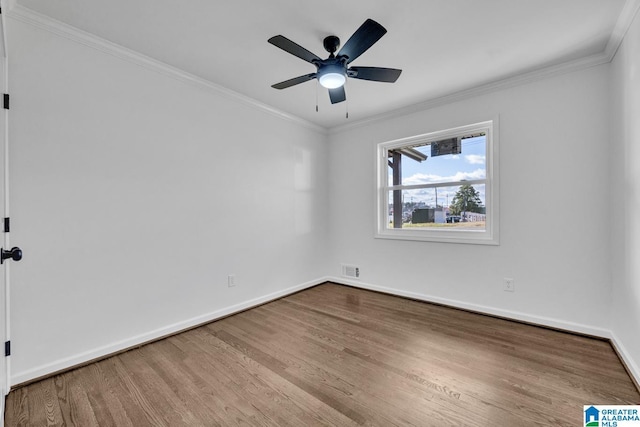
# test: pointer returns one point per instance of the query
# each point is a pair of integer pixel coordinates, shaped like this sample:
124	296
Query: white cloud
424	178
475	159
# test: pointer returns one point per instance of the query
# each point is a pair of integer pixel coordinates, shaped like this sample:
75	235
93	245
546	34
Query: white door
4	291
7	255
4	314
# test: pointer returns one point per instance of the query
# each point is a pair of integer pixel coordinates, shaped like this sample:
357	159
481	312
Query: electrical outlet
231	280
509	285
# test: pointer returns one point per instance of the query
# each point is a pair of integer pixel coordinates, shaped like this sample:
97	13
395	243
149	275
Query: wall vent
351	271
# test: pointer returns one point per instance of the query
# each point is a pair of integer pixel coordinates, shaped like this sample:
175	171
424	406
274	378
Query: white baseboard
118	346
631	365
514	315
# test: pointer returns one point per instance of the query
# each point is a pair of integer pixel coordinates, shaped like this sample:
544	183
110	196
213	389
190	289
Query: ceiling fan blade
295	81
293	48
364	37
337	95
377	74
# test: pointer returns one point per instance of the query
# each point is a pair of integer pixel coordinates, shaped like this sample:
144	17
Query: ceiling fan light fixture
332	76
332	80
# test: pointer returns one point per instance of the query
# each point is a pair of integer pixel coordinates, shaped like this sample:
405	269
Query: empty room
342	213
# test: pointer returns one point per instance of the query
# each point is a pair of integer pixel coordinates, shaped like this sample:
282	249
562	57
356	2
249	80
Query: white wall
554	213
625	191
135	194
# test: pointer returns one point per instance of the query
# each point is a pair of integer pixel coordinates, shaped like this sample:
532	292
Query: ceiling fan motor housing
331	44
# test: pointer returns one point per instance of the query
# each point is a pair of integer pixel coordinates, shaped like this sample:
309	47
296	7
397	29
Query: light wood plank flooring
335	355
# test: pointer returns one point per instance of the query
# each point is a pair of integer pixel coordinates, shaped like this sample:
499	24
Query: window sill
450	236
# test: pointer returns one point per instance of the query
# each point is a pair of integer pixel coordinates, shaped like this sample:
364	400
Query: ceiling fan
332	72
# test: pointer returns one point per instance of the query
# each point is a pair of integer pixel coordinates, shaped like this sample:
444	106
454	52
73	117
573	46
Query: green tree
466	199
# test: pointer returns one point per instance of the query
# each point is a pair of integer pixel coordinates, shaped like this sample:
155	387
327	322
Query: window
440	186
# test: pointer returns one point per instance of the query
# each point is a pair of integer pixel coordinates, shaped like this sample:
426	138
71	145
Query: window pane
439	187
446	161
460	207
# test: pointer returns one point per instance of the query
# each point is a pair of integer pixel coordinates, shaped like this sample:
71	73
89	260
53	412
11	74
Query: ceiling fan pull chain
346	104
317	83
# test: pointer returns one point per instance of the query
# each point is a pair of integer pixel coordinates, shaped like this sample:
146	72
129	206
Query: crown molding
43	22
493	86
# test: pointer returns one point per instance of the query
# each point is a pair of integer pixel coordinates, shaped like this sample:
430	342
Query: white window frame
488	236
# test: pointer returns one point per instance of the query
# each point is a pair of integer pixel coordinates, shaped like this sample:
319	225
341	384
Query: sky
469	164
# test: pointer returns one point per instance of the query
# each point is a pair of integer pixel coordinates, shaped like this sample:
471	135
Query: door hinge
6	101
7	225
7	348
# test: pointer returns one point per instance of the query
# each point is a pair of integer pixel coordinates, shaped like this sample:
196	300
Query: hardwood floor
335	355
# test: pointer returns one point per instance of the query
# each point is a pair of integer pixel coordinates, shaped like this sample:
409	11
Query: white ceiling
442	46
